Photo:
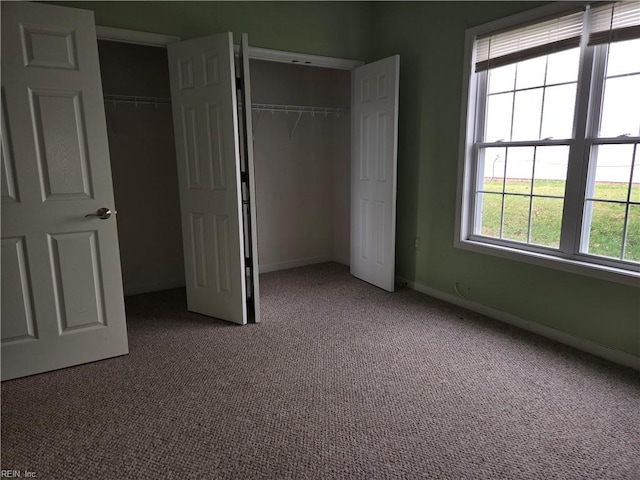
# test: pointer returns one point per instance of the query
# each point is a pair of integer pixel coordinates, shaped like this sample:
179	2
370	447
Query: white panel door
374	138
205	121
62	300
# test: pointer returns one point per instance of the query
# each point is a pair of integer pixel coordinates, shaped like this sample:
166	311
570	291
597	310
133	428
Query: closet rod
137	100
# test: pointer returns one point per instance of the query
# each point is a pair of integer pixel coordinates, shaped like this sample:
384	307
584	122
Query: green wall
429	36
338	29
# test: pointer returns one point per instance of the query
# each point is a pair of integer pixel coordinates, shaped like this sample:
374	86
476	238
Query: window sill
557	262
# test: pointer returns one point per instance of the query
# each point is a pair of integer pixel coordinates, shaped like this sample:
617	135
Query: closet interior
302	149
135	84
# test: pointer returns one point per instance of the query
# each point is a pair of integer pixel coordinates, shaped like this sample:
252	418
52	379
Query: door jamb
304	59
257	53
133	36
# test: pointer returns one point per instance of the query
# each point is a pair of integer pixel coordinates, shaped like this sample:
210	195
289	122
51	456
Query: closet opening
137	100
302	149
302	152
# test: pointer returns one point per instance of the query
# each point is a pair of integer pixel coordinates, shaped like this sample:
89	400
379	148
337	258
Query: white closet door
251	212
62	300
374	138
205	120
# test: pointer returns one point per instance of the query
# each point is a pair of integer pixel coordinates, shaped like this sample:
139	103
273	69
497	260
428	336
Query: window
550	167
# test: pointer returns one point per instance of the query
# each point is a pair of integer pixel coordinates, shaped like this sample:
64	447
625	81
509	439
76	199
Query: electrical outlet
416	243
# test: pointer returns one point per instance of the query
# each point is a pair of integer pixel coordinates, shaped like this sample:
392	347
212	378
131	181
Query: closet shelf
268	107
295	109
137	100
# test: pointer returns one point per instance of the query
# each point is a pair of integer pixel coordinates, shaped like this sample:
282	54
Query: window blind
614	22
529	41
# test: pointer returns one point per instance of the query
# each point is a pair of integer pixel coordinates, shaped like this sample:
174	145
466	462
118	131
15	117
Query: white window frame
567	257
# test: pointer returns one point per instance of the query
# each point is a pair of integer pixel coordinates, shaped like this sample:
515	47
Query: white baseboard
273	267
616	356
343	260
152	287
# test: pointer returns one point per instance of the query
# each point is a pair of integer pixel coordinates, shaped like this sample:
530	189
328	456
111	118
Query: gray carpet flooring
340	380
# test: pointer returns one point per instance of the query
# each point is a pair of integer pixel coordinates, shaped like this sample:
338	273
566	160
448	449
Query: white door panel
62	300
206	130
373	171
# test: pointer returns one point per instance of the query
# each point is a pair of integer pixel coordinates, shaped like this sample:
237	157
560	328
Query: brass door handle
102	214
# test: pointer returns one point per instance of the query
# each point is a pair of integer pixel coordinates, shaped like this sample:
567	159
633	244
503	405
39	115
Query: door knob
102	214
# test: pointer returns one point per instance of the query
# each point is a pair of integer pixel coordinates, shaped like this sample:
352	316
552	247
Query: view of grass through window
607	221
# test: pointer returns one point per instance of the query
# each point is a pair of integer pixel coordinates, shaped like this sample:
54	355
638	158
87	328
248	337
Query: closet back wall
143	164
302	180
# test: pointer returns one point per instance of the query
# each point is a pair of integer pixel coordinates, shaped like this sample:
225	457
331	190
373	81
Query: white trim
256	53
274	267
592	270
152	287
342	260
302	262
467	122
132	36
616	356
304	59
